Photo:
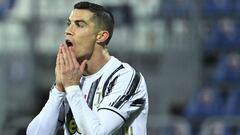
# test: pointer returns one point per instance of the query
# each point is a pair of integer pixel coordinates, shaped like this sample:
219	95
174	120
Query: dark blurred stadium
188	51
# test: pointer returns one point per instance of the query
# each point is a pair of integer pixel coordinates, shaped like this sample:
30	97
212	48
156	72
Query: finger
74	59
83	65
65	56
69	57
61	59
58	69
58	57
58	65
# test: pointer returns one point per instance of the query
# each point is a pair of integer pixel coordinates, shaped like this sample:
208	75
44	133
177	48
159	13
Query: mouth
68	43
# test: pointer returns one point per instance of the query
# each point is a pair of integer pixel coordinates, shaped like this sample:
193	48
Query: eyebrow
77	21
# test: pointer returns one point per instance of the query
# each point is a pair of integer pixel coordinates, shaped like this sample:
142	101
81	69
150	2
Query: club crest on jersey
98	97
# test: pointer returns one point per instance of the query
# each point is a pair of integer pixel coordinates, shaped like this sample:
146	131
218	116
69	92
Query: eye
80	24
68	23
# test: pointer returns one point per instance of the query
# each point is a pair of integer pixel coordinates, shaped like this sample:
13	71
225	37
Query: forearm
46	121
88	121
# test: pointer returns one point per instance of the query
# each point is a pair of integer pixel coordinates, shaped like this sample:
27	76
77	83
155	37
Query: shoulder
125	73
128	75
124	68
129	72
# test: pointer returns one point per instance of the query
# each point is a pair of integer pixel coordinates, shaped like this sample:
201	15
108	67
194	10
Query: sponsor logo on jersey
71	124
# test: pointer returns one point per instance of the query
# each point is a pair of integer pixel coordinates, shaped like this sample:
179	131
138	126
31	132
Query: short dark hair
102	17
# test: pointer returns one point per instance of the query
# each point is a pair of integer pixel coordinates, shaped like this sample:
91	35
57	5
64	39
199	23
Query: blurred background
188	51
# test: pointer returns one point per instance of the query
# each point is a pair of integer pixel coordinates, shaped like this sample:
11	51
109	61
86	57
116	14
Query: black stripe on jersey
133	93
113	111
111	84
111	104
61	122
92	91
126	88
108	79
130	82
130	92
82	82
138	102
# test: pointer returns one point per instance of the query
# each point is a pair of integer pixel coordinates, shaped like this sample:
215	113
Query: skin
88	53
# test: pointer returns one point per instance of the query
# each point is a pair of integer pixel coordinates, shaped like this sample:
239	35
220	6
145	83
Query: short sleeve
125	94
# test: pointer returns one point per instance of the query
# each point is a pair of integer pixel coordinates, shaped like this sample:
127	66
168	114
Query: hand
71	70
59	84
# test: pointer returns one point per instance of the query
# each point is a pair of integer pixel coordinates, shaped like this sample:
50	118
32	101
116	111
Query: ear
102	36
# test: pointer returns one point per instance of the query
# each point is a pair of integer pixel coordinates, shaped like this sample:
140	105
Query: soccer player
94	93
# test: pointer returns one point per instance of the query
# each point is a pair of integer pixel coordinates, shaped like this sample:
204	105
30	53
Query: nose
68	30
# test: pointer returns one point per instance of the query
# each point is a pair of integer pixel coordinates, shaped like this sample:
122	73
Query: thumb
83	65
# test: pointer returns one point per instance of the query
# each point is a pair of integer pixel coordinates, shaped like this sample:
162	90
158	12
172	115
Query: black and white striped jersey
112	101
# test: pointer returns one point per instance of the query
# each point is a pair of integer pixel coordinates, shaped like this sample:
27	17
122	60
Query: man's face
81	33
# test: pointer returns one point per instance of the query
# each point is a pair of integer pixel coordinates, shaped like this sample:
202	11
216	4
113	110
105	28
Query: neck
98	59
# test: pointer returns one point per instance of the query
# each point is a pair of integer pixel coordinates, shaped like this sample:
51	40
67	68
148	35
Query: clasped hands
68	71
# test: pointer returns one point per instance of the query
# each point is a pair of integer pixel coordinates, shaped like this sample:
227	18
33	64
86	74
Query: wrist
59	87
70	84
72	88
